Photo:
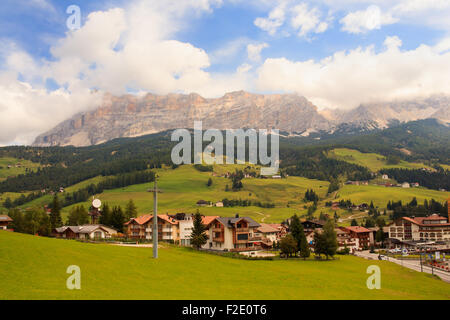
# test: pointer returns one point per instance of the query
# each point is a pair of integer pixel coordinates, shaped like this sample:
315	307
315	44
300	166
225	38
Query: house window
242	236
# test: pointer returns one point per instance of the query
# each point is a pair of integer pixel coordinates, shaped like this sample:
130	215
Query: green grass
184	186
35	268
381	195
373	161
6	172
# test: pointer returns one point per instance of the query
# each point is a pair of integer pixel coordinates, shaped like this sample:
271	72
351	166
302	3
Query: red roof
357	229
420	220
147	217
208	219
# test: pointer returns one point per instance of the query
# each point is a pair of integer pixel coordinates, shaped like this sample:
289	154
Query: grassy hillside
6	172
373	161
38	271
184	186
381	195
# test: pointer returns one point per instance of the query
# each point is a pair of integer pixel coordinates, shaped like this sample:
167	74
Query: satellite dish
96	203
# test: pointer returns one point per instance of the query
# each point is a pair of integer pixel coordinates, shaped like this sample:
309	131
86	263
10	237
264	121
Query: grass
373	161
380	195
6	172
38	271
184	186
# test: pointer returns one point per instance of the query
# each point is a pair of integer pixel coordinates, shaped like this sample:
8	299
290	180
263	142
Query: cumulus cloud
115	50
303	19
349	78
274	21
366	20
254	51
307	20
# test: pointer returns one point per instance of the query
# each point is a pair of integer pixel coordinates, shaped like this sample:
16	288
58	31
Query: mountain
132	116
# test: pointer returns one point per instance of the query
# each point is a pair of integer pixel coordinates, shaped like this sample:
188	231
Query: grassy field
381	195
184	186
373	161
6	172
35	268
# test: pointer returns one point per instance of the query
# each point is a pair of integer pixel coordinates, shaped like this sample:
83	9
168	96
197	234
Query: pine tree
209	183
288	245
130	210
330	239
354	223
105	218
55	213
117	218
198	236
296	229
305	252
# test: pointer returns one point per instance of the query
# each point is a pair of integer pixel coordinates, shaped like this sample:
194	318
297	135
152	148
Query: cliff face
130	116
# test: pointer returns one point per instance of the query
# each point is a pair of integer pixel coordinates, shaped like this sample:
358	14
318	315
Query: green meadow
6	172
184	186
380	195
35	268
373	161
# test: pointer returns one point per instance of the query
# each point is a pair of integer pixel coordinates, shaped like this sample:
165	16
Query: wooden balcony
240	230
255	239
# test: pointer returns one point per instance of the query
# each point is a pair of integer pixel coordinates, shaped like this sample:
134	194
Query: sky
58	57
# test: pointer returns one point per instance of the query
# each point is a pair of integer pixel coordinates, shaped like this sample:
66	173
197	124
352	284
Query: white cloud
307	20
347	79
274	21
113	51
254	51
366	20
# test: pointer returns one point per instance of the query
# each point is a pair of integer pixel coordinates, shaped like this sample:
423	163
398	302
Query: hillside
113	272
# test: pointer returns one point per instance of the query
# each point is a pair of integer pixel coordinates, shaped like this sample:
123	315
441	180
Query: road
411	264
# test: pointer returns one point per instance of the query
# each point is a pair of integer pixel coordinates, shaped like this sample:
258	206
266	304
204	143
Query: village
405	235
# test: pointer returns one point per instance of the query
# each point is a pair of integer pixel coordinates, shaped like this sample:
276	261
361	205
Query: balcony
217	230
166	229
242	230
148	229
255	239
166	237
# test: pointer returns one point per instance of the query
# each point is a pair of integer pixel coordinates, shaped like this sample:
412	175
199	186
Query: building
385	177
282	230
431	228
88	231
5	221
219	204
186	225
363	237
269	234
141	228
405	185
202	203
345	240
311	225
233	234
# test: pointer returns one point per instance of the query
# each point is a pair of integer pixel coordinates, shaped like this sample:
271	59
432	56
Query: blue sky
337	53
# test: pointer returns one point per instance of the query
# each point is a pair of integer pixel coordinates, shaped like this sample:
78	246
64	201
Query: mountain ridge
132	116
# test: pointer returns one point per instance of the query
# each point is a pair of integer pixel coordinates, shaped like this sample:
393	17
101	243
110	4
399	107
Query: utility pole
155	191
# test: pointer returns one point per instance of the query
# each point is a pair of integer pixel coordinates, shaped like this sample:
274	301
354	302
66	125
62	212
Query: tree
288	245
354	223
55	213
198	235
117	218
8	203
78	216
130	210
105	218
305	252
330	236
296	229
209	183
